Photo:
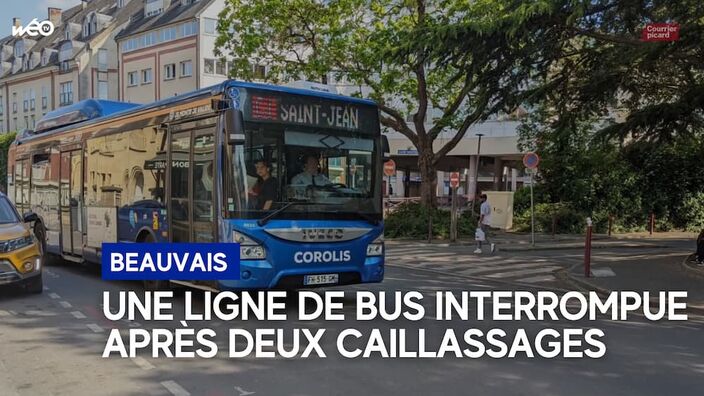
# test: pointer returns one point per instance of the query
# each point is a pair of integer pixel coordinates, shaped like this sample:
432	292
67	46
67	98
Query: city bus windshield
305	172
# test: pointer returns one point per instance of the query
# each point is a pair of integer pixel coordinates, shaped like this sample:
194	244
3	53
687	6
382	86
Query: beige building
76	62
167	49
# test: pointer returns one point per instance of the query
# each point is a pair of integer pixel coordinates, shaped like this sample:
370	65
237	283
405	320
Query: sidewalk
670	271
516	242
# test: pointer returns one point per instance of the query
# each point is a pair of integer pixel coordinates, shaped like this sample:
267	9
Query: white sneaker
478	251
493	247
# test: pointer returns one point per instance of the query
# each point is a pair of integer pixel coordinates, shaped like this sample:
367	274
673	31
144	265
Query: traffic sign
531	160
389	168
454	179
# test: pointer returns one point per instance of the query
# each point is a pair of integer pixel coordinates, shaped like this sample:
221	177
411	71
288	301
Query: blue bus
294	176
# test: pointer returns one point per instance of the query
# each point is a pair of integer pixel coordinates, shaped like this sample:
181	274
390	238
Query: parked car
21	254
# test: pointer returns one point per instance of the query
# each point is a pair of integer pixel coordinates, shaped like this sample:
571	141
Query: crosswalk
460	261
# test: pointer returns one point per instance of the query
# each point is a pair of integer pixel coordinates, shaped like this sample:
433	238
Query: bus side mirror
234	121
30	217
385	148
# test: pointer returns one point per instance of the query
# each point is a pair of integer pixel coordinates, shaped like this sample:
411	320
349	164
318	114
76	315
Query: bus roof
93	110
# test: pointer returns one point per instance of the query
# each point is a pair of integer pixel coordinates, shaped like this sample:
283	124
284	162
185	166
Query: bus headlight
249	249
376	248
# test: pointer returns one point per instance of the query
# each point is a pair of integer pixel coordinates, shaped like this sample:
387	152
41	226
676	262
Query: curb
566	275
690	269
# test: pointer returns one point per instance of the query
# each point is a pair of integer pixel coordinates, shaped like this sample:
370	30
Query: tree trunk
428	177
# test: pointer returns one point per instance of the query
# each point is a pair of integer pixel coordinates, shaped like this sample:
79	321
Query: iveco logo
34	28
322	234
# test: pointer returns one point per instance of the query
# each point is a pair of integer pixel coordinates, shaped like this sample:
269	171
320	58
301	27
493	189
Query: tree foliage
387	48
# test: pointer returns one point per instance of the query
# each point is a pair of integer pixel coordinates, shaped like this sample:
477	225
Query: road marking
522	272
54	296
46	288
78	315
243	392
175	388
539	278
65	304
95	328
145	365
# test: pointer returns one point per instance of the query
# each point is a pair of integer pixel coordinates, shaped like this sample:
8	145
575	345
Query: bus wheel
153	285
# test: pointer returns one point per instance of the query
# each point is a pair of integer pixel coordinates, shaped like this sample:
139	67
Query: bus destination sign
310	111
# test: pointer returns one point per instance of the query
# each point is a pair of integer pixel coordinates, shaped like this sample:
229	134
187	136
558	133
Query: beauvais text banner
175	261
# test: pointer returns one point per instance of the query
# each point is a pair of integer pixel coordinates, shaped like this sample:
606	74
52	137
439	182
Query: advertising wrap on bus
293	176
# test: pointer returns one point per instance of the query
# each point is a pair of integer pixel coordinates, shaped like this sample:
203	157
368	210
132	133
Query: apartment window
32	99
149	39
102	89
66	93
14	122
65	66
168	34
26	103
153	7
26	122
209	66
210	25
220	67
33	122
14	102
259	72
19	48
169	71
44	98
189	28
102	59
186	68
147	76
2	108
132	79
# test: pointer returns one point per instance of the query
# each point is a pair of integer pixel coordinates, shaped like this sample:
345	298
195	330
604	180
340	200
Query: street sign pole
531	161
532	211
454	184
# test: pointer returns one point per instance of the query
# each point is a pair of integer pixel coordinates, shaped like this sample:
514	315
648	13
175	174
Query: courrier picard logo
34	28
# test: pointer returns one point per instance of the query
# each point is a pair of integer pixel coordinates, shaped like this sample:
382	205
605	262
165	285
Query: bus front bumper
260	274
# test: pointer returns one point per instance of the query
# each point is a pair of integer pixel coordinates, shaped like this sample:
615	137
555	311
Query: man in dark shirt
264	191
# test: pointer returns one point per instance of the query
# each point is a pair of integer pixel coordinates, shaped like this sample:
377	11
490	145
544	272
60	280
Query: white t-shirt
485	210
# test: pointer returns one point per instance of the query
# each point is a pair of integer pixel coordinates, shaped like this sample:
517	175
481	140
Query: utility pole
476	172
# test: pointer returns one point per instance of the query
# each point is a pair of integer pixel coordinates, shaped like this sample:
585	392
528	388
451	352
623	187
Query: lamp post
476	171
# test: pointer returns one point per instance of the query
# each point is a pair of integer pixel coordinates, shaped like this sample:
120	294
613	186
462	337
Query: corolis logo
322	257
34	28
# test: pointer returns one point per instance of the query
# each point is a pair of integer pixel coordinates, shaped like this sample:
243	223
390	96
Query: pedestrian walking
484	221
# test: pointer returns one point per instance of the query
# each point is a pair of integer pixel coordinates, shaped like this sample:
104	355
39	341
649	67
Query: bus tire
152	285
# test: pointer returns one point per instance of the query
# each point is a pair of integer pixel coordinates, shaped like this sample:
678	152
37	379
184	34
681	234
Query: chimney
84	4
55	16
16	22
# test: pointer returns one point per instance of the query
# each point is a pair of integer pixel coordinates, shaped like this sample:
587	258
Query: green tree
5	142
389	49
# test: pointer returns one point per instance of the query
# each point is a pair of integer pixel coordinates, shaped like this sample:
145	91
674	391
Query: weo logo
34	28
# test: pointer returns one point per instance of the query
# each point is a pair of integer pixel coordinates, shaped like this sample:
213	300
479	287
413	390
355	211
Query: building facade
76	62
168	49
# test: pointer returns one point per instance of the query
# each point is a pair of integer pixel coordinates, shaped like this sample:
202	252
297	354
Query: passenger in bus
264	191
311	175
204	186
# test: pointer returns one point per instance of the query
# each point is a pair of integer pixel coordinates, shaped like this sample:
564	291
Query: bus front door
70	203
191	198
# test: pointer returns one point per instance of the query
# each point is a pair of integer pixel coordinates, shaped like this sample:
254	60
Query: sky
26	10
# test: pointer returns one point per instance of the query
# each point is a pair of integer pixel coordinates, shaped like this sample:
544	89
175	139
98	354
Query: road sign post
531	161
389	170
454	183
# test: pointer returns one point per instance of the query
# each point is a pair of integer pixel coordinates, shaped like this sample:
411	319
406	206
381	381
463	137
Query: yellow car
21	255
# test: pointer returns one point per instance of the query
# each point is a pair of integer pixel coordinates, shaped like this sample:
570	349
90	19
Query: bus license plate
322	279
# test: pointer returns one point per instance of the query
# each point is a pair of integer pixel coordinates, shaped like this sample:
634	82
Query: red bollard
588	250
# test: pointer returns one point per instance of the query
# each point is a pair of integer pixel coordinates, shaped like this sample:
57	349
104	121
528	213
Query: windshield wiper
262	222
